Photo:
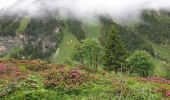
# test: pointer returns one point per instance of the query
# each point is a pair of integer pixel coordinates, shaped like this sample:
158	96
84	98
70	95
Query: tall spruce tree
115	52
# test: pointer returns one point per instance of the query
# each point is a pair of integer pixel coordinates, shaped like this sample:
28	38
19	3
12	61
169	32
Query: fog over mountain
81	9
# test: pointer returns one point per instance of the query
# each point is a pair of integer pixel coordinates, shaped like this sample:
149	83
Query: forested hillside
152	31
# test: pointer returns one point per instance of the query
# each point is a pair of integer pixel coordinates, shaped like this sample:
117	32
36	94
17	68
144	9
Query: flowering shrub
64	78
167	94
121	88
11	76
36	68
9	71
2	67
164	91
155	80
161	90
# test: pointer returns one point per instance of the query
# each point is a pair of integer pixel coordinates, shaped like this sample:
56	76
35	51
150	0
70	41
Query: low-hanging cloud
90	9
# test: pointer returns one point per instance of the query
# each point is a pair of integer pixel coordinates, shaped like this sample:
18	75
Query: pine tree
115	52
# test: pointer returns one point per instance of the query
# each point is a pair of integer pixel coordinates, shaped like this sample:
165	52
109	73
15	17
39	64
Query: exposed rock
2	48
6	43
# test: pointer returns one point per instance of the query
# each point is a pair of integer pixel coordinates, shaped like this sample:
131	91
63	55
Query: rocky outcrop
6	43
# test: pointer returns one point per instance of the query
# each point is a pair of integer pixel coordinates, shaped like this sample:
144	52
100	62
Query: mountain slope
46	34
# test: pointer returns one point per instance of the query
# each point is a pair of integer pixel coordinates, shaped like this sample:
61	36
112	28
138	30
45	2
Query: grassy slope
93	31
162	59
23	24
67	47
163	51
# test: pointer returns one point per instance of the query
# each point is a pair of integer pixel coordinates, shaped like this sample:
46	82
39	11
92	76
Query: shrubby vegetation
141	62
76	28
8	25
88	53
64	82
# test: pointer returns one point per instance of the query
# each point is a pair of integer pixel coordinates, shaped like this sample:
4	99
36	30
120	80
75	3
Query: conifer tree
115	52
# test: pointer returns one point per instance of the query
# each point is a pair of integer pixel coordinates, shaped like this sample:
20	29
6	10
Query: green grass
93	31
99	85
65	48
160	67
23	24
161	59
13	50
67	45
162	51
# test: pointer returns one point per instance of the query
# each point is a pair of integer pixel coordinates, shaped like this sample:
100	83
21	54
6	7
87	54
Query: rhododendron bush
9	71
38	80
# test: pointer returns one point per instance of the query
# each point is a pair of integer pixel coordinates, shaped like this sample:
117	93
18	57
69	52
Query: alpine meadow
84	50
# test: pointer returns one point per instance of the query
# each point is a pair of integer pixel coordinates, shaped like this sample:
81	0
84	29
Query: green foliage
43	38
21	84
76	28
13	53
36	68
88	52
93	31
40	94
22	68
143	92
167	70
66	47
115	52
65	83
105	30
156	26
23	24
64	80
8	25
42	35
130	37
141	62
162	51
41	26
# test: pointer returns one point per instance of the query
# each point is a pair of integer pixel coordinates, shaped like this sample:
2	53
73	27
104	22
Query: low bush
64	78
30	83
37	67
40	94
9	71
143	92
141	62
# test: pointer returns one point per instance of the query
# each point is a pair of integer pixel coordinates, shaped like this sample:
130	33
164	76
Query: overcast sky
84	8
6	3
